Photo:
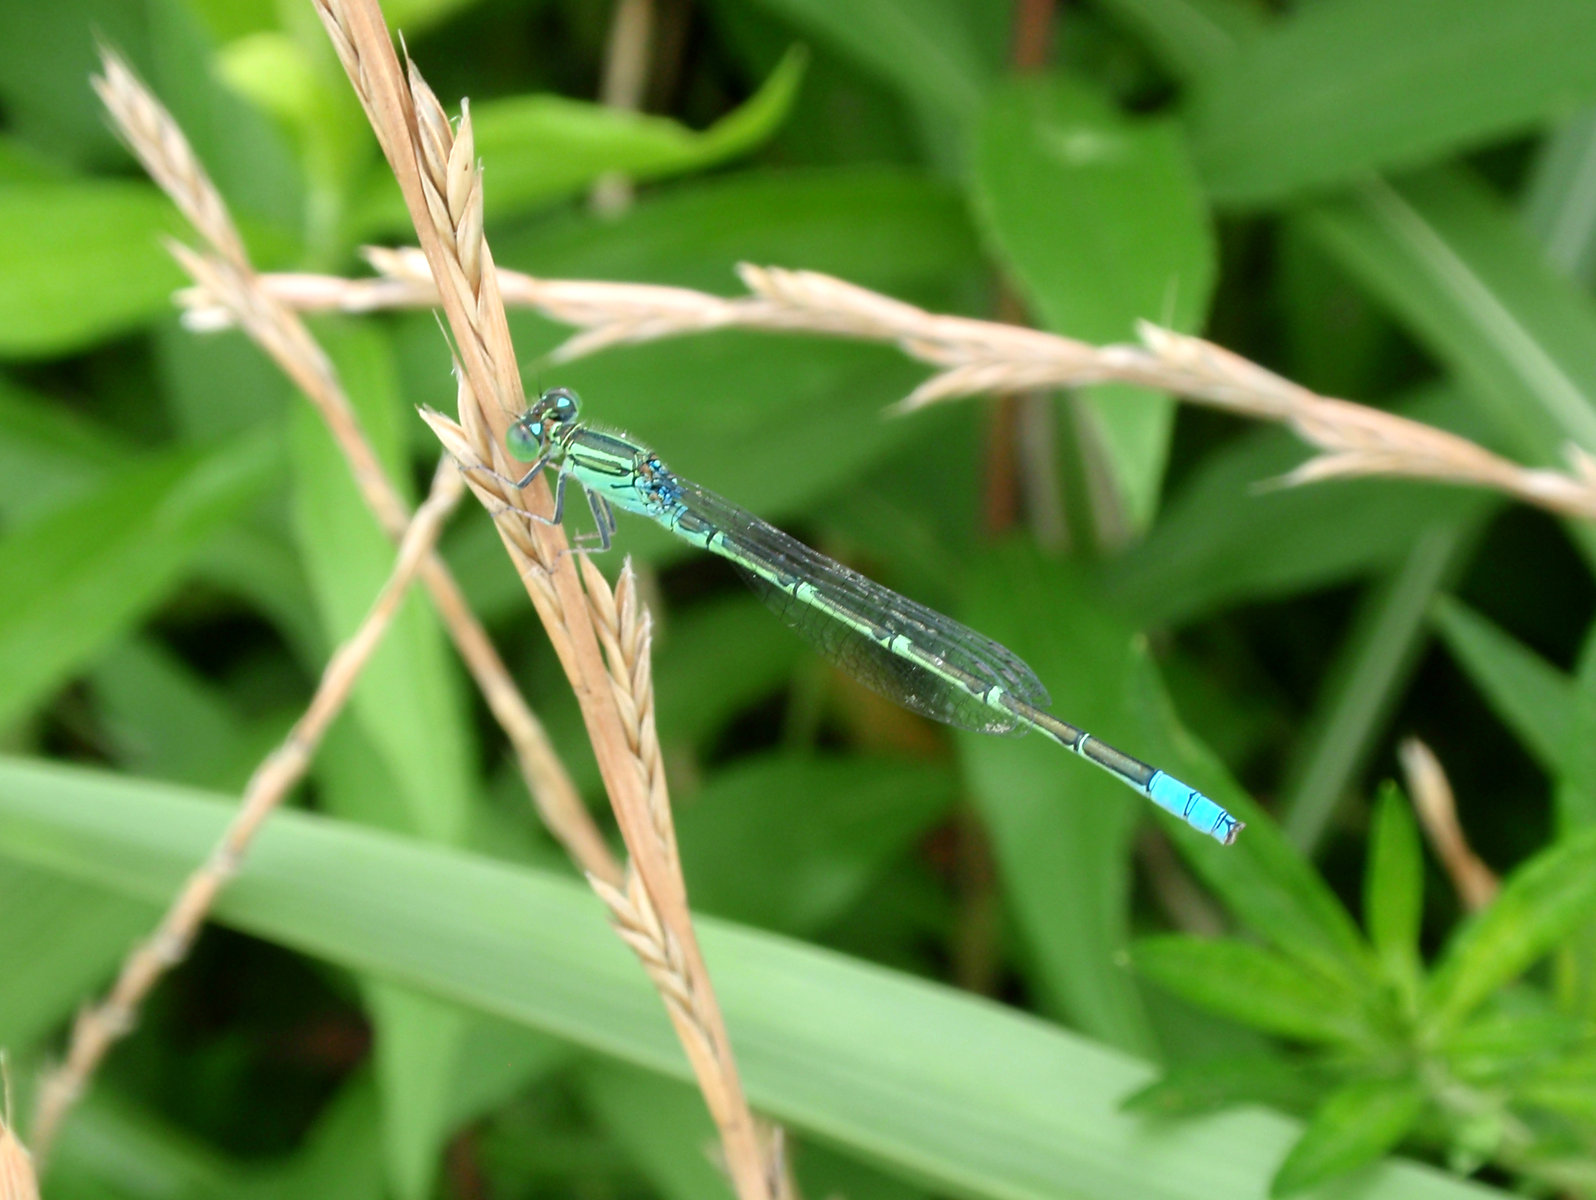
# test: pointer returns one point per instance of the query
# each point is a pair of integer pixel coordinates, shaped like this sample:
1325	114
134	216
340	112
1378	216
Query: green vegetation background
409	994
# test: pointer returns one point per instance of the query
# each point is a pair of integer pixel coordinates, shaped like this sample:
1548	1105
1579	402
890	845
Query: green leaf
1101	222
44	976
1556	199
1530	695
972	1098
537	149
790	842
1354	86
660	1124
411	713
1353	1128
84	262
85	573
1576	784
887	228
1207	1085
924	49
1371	670
1255	986
1463	274
47	454
1393	887
1190	38
1538	906
408	699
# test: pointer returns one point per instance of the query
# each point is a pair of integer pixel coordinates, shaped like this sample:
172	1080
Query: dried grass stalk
437	173
1436	806
101	1026
225	274
974	357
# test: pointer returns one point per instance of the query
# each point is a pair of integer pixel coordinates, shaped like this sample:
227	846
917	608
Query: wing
915	655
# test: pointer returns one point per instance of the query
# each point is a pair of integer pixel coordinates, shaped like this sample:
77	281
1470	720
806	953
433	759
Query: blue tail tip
1196	809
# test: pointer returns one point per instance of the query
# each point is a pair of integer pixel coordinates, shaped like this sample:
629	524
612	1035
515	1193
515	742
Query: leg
518	484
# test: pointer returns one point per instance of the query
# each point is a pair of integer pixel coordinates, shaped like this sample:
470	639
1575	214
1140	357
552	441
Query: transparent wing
854	622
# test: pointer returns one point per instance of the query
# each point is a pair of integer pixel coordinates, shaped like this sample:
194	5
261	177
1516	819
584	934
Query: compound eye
564	403
524	440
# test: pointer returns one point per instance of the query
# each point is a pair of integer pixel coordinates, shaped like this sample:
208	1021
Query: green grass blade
85	573
1532	697
976	1100
1068	190
1463	274
1538	906
1354	86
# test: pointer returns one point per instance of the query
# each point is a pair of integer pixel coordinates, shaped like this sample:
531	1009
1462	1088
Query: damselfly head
531	432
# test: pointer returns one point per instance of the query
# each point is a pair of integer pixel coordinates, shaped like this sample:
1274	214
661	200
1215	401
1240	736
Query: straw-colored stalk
226	275
1432	798
973	357
435	165
101	1026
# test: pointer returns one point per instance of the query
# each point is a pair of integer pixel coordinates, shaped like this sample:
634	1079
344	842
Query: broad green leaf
84	262
923	49
1354	86
1530	695
541	148
1538	906
973	1099
82	575
789	842
1100	221
1356	1125
1255	986
1463	274
1393	888
1097	215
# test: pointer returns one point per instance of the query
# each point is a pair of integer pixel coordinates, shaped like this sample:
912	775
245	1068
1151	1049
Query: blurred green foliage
1384	199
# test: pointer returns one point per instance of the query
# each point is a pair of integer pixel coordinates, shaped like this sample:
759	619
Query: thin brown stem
435	165
227	276
974	357
101	1026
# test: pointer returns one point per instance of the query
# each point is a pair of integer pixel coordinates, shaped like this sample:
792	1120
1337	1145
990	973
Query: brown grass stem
1436	806
974	357
435	165
101	1026
226	274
